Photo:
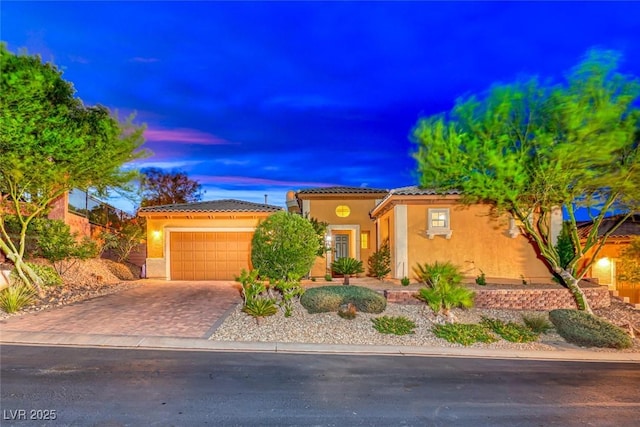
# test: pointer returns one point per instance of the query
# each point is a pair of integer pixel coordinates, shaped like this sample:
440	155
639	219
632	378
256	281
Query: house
424	227
604	269
201	241
350	231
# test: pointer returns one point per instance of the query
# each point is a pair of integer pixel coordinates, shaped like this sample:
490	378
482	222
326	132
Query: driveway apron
155	308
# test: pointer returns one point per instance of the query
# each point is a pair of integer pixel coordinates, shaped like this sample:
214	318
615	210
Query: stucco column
401	246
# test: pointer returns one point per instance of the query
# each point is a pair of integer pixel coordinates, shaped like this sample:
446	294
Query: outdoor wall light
603	262
156	234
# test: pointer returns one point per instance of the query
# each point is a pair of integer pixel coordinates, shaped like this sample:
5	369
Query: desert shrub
329	298
398	325
328	278
119	270
122	240
584	329
509	331
380	261
48	274
57	243
257	302
284	246
261	307
347	267
290	290
481	280
462	333
405	281
432	274
537	323
16	297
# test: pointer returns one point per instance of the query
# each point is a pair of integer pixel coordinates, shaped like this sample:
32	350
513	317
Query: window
343	211
364	240
438	223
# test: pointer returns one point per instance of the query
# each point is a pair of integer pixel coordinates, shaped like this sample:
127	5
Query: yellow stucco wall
478	242
325	210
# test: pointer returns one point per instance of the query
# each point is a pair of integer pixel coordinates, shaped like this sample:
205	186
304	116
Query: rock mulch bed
329	328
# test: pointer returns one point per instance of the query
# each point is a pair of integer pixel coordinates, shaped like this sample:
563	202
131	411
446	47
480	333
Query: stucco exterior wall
159	227
78	224
354	225
478	242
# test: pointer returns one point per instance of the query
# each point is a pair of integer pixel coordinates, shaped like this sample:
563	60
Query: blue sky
255	98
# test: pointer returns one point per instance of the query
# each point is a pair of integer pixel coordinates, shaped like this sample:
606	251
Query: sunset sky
255	98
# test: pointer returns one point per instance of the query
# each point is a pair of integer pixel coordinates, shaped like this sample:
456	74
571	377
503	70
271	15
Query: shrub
122	240
509	331
284	246
347	267
260	307
405	281
584	329
329	298
399	325
290	289
537	323
444	296
461	333
481	280
49	275
380	261
328	277
56	243
432	274
16	297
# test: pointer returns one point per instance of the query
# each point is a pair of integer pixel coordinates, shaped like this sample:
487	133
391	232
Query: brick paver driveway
156	308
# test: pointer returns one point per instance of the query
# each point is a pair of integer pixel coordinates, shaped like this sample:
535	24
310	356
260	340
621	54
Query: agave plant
347	267
16	297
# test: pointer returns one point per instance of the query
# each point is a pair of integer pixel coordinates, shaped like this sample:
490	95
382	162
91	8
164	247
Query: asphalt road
114	387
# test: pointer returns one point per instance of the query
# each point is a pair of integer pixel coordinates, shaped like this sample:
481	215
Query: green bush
124	239
399	325
445	291
537	323
405	281
49	275
329	298
347	267
432	274
328	278
584	329
510	331
16	297
260	307
284	246
481	280
380	261
57	243
462	333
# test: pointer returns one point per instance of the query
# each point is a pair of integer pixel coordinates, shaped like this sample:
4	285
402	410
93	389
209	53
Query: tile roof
227	205
414	190
342	190
629	228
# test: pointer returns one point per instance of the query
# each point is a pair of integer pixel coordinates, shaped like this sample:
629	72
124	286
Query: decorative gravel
329	328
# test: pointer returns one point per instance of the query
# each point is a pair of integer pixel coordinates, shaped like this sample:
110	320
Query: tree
51	143
284	246
529	149
167	188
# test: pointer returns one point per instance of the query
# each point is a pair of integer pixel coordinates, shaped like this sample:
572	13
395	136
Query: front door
342	246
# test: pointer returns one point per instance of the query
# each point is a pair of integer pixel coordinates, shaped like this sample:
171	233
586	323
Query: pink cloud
244	180
185	136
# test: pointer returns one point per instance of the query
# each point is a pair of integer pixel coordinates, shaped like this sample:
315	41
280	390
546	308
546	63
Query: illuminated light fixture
156	234
343	211
603	262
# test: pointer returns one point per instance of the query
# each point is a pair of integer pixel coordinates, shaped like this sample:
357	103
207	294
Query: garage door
209	256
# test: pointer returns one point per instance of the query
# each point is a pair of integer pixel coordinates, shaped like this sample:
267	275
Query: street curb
199	344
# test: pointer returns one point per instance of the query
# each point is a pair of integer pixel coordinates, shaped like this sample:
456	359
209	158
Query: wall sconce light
156	234
603	262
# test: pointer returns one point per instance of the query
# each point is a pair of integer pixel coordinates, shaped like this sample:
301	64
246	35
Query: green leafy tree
529	149
51	143
629	270
159	187
321	231
564	247
124	238
284	247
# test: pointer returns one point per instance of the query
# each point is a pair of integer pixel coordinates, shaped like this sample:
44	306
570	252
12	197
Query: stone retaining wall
518	299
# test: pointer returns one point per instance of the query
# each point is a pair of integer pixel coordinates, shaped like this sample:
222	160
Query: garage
208	240
209	256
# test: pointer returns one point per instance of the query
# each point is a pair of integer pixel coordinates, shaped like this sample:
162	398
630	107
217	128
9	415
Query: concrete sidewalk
200	344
